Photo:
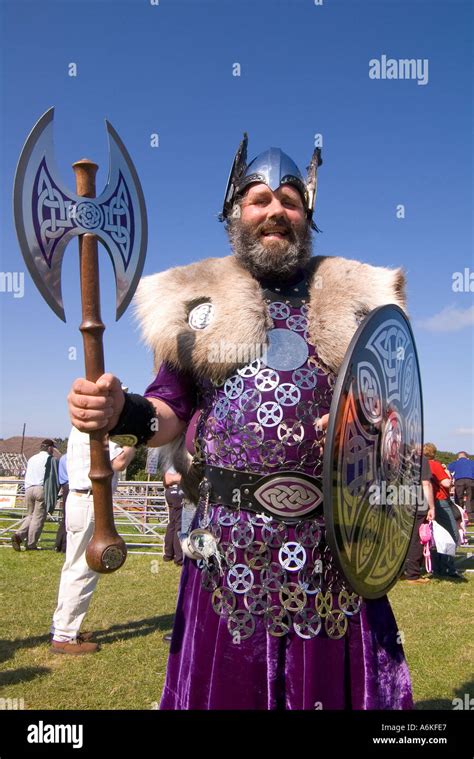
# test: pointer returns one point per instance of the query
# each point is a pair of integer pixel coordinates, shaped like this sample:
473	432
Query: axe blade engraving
48	215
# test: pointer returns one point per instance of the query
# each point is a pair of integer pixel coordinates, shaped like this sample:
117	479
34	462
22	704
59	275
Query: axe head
47	215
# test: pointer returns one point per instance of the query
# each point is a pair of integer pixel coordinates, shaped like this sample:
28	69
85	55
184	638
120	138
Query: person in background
61	536
425	512
443	565
174	500
463	471
40	481
78	580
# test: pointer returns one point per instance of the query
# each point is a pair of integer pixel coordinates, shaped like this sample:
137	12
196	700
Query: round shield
372	454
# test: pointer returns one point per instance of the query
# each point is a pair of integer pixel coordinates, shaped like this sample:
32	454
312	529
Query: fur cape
341	293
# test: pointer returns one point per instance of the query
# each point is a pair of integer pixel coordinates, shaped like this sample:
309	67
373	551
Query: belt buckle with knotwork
287	495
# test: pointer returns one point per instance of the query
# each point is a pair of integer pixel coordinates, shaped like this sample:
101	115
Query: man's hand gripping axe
47	216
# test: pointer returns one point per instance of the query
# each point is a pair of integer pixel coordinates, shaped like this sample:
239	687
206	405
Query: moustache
282	227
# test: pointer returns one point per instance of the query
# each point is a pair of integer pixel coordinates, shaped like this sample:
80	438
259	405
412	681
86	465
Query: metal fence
140	514
141	517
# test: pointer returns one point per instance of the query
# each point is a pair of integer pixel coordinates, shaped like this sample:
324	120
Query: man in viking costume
248	347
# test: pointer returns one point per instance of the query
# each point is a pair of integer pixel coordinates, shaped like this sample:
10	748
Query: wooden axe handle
106	551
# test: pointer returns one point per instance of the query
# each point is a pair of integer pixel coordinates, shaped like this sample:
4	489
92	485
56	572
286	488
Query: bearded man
248	347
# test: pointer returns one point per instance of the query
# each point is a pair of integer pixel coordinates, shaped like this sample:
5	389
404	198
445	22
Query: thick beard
277	260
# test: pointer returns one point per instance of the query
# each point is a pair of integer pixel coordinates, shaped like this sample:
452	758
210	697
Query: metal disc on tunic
307	624
286	351
241	625
240	578
223	601
373	447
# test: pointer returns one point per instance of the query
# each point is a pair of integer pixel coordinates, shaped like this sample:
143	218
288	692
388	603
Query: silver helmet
274	168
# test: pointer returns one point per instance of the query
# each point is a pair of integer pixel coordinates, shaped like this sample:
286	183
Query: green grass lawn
133	608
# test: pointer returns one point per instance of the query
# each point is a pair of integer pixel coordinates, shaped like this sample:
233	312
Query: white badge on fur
201	316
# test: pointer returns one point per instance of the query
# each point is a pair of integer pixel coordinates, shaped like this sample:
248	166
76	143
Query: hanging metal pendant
200	544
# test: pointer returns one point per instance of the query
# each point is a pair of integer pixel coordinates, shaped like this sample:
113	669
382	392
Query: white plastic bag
443	540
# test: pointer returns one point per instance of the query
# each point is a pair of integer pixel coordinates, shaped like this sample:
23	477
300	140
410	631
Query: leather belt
87	491
287	496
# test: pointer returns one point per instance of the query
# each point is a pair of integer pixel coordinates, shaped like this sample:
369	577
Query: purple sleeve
176	389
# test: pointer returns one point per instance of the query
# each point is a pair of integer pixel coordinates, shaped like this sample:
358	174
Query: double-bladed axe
47	216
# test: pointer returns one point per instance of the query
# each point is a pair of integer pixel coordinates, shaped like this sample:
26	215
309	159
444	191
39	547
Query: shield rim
328	489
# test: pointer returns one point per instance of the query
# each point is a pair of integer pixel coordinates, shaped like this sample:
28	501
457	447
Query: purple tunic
260	420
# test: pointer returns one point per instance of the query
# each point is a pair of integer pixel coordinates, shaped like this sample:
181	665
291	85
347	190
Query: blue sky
168	69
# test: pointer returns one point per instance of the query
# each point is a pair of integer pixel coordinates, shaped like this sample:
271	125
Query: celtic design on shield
374	442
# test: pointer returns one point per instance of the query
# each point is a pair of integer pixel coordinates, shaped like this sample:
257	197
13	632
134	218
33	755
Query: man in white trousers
78	580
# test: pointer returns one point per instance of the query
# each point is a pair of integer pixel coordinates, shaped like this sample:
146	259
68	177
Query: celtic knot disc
233	387
292	597
304	378
309	580
297	322
88	215
258	555
266	379
290	432
308	533
273	577
270	414
272	453
274	534
209	579
292	556
241	625
242	534
223	601
323	603
307	624
228	553
250	370
349	603
278	310
257	600
335	624
240	578
287	394
250	400
277	621
227	517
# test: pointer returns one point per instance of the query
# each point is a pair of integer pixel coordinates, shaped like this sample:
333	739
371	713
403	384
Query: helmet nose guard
274	168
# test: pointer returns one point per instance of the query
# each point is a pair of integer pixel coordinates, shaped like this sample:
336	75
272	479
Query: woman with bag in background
443	563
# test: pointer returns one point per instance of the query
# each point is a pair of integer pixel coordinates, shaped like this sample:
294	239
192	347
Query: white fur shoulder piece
343	292
190	315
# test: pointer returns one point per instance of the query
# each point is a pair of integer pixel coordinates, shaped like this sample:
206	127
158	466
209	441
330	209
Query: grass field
132	609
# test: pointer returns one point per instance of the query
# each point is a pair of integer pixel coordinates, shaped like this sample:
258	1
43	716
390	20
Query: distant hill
31	445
